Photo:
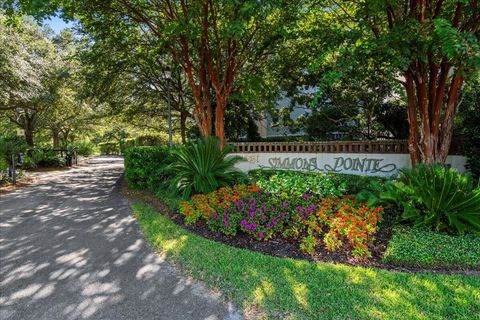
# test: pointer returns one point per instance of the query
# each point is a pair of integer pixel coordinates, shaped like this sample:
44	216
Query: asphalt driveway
70	249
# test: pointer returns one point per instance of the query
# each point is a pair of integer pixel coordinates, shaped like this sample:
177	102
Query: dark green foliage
392	117
240	122
151	140
322	124
438	197
145	167
469	127
203	167
83	148
109	148
49	158
11	145
297	183
423	248
46	158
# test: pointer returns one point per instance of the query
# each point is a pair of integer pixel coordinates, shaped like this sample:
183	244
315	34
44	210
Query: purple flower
299	208
275	222
284	204
264	218
283	215
243	222
267	225
306	196
260	234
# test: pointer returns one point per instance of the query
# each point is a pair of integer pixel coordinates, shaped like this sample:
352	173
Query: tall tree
432	48
31	75
213	41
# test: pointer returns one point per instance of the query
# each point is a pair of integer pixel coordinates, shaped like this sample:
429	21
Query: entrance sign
352	163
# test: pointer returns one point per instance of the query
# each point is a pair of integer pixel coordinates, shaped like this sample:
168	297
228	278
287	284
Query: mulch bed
287	248
23	182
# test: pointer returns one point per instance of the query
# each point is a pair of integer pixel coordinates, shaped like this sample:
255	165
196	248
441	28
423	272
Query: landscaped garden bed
269	287
311	216
304	245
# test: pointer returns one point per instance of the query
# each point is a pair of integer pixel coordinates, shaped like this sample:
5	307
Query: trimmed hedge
422	248
145	167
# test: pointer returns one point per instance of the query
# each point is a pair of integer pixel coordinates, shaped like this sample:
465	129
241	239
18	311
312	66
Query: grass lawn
294	289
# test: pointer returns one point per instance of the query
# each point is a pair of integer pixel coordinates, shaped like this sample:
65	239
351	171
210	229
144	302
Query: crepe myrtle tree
431	47
213	41
434	48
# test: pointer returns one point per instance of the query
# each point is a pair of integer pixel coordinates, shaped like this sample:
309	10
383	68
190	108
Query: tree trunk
220	120
56	138
431	114
183	126
433	81
29	137
412	121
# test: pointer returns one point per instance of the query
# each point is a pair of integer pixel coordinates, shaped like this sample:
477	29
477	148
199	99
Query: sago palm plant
439	197
203	167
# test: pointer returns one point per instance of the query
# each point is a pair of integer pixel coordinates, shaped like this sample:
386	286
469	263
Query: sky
57	24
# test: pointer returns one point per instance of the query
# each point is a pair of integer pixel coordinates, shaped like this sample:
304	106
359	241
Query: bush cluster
296	183
83	148
46	158
146	167
108	148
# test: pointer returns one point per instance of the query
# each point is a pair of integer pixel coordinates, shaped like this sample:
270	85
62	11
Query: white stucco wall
352	163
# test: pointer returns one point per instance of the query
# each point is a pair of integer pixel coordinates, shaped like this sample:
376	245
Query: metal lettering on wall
340	164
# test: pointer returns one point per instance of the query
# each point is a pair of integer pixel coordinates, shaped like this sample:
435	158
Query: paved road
70	249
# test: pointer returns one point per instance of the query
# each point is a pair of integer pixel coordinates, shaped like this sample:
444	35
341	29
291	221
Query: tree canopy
367	70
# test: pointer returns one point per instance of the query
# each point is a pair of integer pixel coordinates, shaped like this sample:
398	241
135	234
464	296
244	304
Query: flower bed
332	222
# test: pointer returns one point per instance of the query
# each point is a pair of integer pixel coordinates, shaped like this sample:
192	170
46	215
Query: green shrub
3	169
129	143
152	140
296	183
108	148
3	164
83	148
28	162
47	158
145	167
11	146
417	247
438	197
203	167
34	158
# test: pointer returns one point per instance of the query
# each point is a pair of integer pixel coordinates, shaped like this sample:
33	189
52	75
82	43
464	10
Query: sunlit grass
300	289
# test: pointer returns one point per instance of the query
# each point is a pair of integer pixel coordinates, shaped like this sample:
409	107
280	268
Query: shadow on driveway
70	249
